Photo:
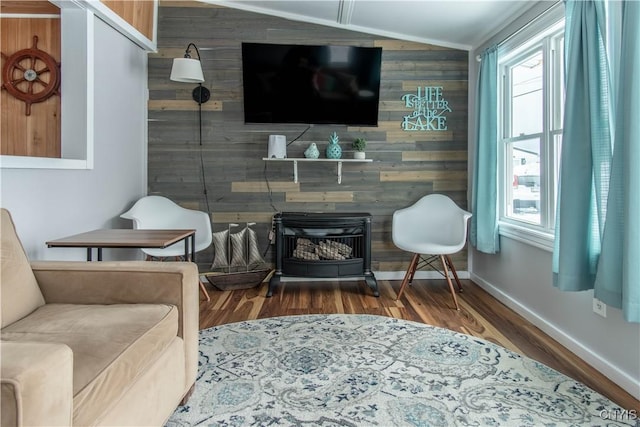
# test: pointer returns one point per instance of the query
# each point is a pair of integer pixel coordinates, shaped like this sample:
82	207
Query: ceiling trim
330	23
345	11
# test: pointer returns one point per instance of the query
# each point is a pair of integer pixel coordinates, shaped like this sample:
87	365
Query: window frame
545	35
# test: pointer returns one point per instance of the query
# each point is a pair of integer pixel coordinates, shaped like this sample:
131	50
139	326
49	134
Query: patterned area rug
362	370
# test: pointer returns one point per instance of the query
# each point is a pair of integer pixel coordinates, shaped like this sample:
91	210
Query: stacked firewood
325	250
305	249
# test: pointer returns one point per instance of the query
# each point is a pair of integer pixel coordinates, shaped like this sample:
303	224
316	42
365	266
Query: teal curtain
586	148
483	231
618	277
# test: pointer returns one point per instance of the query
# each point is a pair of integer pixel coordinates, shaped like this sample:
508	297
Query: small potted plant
359	144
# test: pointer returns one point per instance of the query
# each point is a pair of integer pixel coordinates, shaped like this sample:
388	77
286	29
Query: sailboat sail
239	249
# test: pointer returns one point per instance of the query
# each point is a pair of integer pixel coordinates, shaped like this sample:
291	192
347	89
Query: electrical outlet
599	307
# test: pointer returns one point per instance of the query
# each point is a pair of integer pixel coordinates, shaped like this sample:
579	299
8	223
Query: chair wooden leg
446	273
413	270
409	274
453	270
204	291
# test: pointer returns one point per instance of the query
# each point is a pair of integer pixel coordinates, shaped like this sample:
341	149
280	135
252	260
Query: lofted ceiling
460	24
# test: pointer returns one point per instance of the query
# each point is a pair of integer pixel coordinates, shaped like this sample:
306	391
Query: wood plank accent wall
39	134
241	186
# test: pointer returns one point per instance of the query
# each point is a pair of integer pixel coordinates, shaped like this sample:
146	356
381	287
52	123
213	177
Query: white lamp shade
186	70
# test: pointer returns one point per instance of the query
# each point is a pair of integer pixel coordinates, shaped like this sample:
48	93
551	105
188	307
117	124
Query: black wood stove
323	245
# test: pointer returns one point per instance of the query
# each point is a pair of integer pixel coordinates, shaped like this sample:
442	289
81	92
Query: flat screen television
311	84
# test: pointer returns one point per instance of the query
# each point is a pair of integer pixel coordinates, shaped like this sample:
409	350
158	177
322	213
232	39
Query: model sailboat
237	262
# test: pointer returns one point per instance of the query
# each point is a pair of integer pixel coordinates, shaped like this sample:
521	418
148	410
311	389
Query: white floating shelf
296	160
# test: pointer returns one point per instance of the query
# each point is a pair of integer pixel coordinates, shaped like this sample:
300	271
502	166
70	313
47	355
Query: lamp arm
186	53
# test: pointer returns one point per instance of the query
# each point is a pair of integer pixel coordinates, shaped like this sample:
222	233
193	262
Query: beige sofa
94	343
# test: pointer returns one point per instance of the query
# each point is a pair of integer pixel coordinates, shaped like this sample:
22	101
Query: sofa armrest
117	282
128	282
37	384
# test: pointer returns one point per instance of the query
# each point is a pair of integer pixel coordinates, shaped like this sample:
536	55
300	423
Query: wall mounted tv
311	84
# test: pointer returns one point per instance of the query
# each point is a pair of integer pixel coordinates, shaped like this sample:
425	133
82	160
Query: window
531	100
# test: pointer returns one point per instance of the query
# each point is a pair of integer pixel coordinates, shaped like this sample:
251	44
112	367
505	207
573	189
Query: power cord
266	180
298	137
204	178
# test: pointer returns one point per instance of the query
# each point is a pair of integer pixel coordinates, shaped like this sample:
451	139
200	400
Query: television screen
311	84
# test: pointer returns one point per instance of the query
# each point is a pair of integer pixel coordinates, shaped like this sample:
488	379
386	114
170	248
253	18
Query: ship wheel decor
31	75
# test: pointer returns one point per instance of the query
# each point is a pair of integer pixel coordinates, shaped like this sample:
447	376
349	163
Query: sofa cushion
111	344
30	398
19	291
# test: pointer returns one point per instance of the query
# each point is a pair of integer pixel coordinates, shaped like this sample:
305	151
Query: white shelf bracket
338	161
295	171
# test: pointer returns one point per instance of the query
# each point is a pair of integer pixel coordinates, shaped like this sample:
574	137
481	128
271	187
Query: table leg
99	254
89	254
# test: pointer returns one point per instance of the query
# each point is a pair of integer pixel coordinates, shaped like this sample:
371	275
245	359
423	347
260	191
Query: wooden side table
127	238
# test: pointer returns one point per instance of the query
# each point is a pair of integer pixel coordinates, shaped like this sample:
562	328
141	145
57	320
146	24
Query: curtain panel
586	149
597	242
483	232
618	276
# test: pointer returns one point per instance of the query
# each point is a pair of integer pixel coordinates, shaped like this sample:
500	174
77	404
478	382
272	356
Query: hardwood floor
426	301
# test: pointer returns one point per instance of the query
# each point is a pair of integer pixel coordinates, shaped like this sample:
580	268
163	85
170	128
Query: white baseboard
427	274
380	275
600	364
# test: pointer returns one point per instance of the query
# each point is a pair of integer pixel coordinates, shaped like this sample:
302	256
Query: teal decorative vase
334	151
312	152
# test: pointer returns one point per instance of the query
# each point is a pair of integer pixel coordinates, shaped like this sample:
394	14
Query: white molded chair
433	226
160	213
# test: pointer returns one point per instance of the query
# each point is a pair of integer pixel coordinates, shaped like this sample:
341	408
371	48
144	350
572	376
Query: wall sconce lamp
189	70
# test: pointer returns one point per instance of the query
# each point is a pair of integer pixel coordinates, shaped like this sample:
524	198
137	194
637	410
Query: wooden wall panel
241	187
38	134
139	13
36	7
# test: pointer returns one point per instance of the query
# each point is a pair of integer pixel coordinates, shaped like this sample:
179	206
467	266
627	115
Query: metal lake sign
429	109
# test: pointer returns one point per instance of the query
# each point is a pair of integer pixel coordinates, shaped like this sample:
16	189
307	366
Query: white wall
48	204
520	276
